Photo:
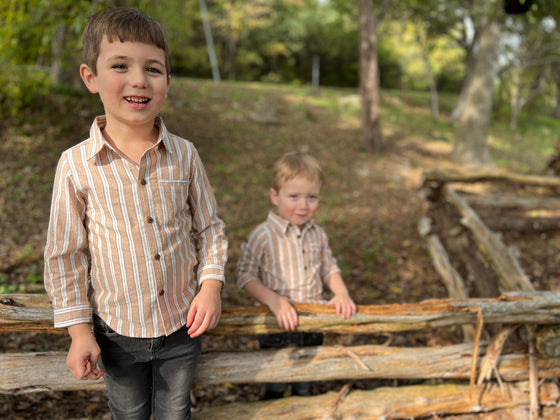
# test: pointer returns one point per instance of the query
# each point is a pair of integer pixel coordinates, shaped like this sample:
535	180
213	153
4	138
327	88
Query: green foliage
21	88
6	286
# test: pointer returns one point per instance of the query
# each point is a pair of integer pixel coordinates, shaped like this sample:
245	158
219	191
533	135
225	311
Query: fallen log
453	282
512	203
501	257
485	175
396	403
458	242
522	224
32	372
32	313
451	278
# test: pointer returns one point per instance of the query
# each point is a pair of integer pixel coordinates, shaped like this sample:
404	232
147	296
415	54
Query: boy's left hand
344	305
206	308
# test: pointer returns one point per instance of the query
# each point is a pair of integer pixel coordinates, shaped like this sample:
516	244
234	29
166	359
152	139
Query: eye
154	70
119	66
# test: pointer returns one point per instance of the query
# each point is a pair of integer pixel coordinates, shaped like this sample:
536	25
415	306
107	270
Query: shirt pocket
171	199
314	259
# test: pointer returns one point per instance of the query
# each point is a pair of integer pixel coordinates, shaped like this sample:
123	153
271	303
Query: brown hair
124	24
294	164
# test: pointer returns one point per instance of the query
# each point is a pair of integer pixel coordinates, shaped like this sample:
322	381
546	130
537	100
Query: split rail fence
481	374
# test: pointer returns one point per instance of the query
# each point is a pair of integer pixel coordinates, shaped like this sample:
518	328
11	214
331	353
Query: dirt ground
370	208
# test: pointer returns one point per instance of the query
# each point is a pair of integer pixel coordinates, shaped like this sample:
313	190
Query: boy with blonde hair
127	203
287	259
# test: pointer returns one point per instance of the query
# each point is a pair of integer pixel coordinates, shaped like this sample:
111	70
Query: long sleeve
66	255
209	228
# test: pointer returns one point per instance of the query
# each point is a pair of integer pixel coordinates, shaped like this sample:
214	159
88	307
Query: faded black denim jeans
147	376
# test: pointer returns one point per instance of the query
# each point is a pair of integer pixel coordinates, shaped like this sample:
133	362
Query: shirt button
161	292
143	182
150	219
305	268
157	257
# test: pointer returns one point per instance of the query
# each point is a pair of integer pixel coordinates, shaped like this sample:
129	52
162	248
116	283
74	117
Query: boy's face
131	80
297	200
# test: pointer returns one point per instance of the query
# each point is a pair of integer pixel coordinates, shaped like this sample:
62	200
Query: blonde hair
294	164
124	24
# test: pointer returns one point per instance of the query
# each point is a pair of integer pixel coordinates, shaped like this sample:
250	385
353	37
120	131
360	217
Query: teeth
137	100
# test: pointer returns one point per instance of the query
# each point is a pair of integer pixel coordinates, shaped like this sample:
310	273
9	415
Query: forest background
287	75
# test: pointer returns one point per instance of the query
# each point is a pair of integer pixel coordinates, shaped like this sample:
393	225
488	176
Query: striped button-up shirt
292	262
131	242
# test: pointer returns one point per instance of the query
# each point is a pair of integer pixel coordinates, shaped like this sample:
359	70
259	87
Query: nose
304	203
138	78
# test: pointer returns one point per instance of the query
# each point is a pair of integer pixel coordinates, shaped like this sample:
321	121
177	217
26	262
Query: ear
274	196
168	83
88	77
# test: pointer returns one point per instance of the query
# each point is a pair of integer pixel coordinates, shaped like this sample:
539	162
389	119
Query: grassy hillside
368	206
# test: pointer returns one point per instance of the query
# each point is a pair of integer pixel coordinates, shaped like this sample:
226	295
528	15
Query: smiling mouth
137	100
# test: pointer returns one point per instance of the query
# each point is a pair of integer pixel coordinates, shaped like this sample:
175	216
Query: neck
122	134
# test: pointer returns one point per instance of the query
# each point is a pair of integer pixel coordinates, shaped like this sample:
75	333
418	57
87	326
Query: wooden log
31	372
501	257
509	203
417	401
522	224
451	278
486	175
32	313
458	242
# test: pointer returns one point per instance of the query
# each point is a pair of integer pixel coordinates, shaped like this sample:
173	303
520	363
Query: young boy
134	235
287	258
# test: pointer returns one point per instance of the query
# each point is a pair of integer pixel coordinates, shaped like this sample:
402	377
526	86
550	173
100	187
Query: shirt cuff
72	315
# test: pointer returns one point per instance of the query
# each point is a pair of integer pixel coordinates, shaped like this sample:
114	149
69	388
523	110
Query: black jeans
147	376
289	339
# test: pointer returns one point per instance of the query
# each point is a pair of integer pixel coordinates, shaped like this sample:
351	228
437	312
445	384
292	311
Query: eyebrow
125	57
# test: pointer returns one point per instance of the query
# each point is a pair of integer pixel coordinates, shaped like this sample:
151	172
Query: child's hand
206	308
83	354
285	313
344	305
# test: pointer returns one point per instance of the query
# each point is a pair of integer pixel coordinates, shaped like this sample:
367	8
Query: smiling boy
134	236
287	259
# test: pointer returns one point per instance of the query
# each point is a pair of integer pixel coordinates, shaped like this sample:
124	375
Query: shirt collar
285	226
97	141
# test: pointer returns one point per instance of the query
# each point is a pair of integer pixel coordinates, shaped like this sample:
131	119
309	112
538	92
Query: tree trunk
369	78
556	77
469	48
429	73
470	144
64	63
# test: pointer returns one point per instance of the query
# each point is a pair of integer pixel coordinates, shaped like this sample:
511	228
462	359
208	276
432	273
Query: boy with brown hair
287	259
134	235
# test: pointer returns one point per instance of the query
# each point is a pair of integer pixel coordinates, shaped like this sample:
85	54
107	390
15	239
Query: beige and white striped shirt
291	262
131	242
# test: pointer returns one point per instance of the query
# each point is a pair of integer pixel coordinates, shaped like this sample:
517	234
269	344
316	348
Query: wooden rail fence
458	378
469	377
